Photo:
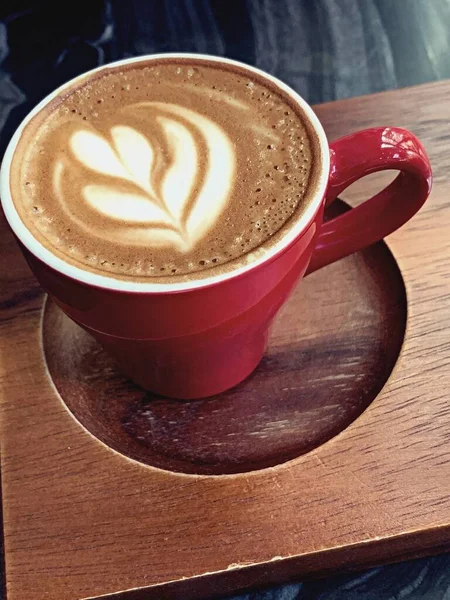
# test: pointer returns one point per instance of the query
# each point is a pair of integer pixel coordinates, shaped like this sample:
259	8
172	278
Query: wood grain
322	369
85	521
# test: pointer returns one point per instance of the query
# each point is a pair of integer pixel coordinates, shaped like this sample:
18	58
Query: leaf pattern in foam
136	155
124	206
219	177
131	157
155	237
180	176
95	153
218	181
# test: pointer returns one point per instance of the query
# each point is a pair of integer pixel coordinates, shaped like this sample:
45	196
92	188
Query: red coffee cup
196	339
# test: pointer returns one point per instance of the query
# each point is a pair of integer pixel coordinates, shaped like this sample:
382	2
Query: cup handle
360	154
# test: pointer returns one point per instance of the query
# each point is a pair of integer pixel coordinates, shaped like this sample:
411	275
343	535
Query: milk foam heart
179	207
165	170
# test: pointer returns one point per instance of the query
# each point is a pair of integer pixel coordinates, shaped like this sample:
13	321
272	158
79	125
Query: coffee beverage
170	169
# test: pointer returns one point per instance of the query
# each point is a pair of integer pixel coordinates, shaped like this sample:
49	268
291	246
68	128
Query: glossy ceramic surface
202	341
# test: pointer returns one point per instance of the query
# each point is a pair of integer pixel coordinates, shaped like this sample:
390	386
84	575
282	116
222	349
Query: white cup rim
111	283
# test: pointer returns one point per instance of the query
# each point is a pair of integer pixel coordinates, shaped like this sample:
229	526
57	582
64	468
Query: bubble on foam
139	267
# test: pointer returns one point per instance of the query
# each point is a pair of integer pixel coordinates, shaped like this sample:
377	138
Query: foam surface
164	170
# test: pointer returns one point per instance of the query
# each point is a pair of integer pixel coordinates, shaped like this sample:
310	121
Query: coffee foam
166	170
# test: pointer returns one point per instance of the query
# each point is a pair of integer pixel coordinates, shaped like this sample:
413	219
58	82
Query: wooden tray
309	466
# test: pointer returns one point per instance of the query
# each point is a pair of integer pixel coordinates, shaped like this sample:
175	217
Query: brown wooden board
325	471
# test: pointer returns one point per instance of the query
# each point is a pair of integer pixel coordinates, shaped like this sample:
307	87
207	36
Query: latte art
165	170
179	203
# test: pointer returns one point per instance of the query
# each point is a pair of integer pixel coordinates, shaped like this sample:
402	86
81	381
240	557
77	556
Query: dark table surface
325	49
